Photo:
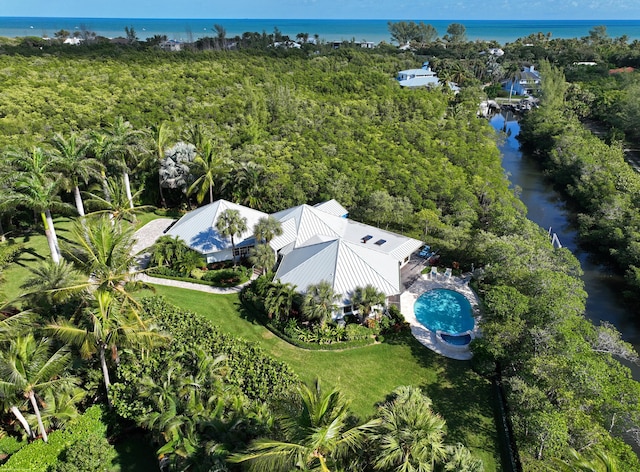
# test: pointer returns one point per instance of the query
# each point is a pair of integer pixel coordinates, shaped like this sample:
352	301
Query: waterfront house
526	82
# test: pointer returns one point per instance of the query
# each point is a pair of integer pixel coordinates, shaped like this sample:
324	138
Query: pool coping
427	337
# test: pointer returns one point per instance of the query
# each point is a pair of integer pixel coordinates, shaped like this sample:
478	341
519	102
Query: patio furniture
434	272
447	273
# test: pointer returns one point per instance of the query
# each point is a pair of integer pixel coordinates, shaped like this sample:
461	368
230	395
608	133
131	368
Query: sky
329	9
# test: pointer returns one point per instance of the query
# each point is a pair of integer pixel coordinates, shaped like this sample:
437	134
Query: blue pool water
457	340
444	310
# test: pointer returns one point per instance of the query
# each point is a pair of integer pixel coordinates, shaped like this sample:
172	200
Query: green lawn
367	375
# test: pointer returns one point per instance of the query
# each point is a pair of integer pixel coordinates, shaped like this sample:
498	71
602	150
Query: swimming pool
444	310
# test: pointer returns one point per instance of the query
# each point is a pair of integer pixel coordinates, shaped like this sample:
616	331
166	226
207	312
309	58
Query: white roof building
198	229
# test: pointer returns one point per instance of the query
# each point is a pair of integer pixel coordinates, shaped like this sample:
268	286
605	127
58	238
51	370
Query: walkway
426	337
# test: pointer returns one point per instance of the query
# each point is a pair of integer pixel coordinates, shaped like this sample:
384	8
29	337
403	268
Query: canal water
546	208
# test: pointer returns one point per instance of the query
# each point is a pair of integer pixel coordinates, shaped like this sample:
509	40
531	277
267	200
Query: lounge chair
434	272
447	273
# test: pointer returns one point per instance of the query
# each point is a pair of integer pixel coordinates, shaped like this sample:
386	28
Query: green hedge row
39	456
322	347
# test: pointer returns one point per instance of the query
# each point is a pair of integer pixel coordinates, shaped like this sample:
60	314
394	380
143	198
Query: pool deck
426	336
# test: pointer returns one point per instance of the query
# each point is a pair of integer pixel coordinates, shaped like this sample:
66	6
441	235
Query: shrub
197	274
10	445
88	454
39	456
356	331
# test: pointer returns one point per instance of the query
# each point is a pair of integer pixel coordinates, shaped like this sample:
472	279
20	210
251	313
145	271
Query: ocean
376	31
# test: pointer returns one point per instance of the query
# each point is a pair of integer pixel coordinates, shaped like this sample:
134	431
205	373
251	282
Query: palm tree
262	257
460	459
100	146
167	250
109	325
364	298
161	135
411	436
600	461
36	185
320	302
28	367
231	223
51	283
279	300
115	202
248	182
71	153
102	250
511	73
124	147
266	229
317	435
210	162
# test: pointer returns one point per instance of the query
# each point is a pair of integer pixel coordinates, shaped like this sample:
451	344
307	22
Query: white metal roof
343	264
198	227
333	208
311	222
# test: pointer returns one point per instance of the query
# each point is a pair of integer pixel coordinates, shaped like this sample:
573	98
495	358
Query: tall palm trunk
20	417
127	188
210	193
105	372
36	410
50	233
105	187
163	202
2	236
78	200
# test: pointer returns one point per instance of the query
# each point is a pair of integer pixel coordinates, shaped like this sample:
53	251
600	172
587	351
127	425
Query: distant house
527	82
319	243
362	44
73	41
423	77
171	45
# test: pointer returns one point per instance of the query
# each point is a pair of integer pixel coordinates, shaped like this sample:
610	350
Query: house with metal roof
198	230
317	243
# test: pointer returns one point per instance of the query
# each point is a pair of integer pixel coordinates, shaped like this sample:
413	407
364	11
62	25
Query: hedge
39	456
341	345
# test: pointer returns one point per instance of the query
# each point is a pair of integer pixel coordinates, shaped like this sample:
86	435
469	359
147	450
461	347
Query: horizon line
326	19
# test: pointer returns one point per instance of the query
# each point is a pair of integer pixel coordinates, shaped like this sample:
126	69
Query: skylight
366	238
380	242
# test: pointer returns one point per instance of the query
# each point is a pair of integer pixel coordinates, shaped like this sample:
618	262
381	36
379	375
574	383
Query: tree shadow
27	257
465	400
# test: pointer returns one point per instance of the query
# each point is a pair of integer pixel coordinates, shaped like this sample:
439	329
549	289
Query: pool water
444	310
457	340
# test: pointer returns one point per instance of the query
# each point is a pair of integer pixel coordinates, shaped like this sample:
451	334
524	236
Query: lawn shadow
465	400
27	257
249	313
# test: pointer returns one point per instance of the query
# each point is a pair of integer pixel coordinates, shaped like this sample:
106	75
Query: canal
546	208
